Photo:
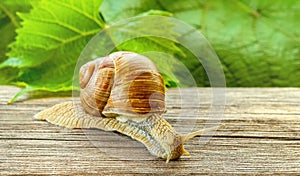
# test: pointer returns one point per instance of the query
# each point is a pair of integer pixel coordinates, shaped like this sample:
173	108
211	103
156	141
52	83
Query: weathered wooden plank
261	135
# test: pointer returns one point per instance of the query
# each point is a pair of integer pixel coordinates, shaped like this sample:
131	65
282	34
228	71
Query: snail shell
123	92
122	83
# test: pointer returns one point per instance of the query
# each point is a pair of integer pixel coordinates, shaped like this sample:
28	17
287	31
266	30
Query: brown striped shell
122	83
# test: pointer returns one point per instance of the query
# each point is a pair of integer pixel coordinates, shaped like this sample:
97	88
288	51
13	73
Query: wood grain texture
261	135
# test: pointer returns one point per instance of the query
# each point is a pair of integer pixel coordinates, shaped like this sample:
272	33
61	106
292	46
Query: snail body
123	92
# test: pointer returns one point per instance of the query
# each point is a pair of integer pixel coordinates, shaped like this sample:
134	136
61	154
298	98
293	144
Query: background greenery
257	40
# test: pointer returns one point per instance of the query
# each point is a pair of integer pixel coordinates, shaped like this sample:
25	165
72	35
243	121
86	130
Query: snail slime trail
117	95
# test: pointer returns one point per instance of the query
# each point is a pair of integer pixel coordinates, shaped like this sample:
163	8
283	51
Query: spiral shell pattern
122	83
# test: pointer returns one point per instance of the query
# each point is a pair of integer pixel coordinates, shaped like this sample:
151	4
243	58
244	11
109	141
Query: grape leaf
50	41
142	34
8	75
117	10
257	41
128	10
9	21
50	31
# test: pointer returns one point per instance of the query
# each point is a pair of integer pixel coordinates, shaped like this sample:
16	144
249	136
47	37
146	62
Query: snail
123	92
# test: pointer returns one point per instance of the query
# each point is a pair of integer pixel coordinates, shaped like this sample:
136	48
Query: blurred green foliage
257	41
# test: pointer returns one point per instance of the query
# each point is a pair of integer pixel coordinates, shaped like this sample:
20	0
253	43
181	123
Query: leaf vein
83	13
45	35
65	25
10	15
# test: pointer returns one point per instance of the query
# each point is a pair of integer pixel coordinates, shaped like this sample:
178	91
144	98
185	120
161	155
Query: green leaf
50	31
257	41
8	75
50	41
142	34
145	33
117	10
9	21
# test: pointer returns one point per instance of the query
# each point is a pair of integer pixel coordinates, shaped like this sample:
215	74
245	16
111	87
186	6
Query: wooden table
261	135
